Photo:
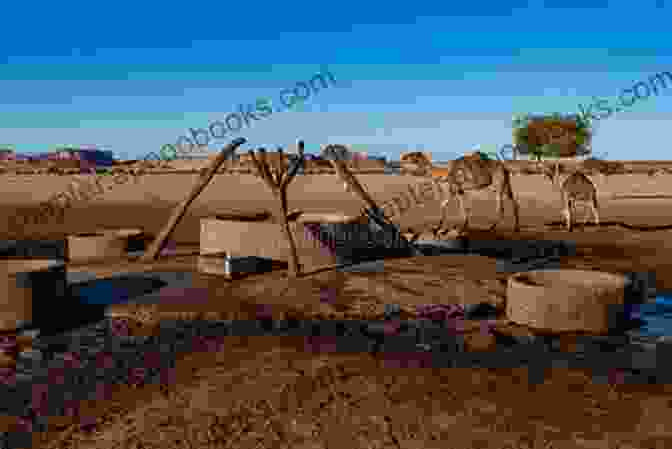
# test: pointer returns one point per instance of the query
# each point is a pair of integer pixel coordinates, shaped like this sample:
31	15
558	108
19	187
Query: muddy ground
291	392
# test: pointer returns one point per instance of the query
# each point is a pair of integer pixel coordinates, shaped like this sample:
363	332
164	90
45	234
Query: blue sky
442	77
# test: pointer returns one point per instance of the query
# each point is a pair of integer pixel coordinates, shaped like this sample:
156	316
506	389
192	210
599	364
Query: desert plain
294	393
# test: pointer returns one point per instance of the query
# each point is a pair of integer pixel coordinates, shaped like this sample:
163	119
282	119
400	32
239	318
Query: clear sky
438	76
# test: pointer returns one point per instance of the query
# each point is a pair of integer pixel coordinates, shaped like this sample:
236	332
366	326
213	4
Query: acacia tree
552	135
277	179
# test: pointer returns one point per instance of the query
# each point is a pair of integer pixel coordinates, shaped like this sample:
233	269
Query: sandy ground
146	200
148	205
284	394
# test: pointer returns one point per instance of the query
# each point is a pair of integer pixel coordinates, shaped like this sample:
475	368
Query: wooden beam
372	209
157	245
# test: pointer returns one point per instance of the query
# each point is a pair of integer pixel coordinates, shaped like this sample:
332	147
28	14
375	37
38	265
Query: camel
468	174
576	187
410	165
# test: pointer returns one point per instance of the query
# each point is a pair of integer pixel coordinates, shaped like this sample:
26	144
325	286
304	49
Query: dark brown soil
275	392
260	392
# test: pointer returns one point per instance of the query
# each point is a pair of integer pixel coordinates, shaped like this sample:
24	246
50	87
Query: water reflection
116	290
657	317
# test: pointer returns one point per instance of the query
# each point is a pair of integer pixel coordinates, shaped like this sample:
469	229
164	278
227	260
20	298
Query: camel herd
471	173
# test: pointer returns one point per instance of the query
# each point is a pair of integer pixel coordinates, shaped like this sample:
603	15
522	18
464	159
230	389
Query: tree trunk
294	268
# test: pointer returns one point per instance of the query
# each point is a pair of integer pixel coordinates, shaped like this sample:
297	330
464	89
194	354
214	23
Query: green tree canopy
552	135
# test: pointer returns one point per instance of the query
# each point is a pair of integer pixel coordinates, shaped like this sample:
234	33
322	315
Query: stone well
101	244
562	300
241	236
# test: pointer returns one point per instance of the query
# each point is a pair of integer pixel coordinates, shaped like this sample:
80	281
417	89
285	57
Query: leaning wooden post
372	209
179	211
277	181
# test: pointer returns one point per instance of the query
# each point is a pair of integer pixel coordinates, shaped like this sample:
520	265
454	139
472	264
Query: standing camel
469	173
576	187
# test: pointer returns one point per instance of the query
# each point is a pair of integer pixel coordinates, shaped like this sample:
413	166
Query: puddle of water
657	317
129	286
114	291
664	301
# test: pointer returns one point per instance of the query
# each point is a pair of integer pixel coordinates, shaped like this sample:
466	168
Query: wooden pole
372	209
277	181
157	245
